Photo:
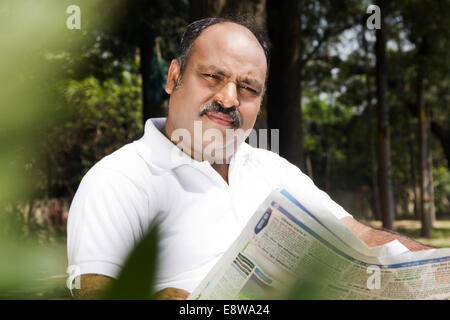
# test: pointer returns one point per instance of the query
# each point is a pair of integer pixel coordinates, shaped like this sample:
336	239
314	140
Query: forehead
231	47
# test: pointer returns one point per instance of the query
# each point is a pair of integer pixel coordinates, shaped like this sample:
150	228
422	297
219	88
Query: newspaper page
289	238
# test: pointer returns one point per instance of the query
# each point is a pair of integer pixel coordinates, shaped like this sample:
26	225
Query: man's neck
167	130
221	169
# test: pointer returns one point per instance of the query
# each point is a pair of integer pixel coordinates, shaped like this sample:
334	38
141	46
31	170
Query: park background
365	113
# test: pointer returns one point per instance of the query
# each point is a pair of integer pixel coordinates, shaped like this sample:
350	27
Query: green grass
436	233
440	235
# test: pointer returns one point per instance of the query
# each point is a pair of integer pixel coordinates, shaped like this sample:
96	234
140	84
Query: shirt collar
156	149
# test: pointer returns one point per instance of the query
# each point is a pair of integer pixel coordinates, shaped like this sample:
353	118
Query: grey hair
194	29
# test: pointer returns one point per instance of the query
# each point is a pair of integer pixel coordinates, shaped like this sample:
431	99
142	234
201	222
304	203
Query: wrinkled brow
212	68
247	80
251	82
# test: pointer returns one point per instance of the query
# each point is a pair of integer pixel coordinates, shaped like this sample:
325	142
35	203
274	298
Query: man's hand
92	286
376	237
171	294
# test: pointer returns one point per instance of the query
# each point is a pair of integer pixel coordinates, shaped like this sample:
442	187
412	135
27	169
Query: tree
141	24
372	128
384	151
284	87
424	150
133	28
302	33
428	33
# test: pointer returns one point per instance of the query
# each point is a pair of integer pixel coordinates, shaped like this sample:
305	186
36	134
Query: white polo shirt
200	214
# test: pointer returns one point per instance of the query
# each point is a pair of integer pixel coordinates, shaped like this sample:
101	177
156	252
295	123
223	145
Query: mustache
217	107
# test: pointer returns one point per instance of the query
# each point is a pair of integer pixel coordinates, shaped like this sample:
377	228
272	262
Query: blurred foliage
312	281
441	178
327	126
36	117
100	117
29	96
339	99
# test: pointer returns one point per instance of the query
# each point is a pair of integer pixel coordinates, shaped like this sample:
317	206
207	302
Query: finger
172	294
181	293
177	296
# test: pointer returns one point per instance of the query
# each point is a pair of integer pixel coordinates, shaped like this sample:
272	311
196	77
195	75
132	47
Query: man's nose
228	96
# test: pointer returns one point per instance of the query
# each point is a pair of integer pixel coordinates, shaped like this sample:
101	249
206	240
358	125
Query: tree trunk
372	131
412	162
373	162
328	164
309	168
384	151
284	87
425	195
430	172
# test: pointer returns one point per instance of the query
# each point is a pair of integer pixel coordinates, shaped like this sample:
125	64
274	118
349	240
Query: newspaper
289	238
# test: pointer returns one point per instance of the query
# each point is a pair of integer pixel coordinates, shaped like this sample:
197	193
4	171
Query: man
202	200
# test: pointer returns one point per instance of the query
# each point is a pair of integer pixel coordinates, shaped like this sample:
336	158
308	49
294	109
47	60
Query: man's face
222	84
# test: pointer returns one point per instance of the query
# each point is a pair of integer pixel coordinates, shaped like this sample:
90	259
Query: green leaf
312	281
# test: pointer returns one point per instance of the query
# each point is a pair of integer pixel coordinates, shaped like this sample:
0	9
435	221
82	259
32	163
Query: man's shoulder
124	163
264	157
272	166
120	177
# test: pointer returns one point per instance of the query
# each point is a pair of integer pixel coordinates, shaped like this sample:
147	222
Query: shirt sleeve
105	222
294	179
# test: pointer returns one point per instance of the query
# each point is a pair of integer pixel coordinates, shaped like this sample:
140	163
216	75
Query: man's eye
212	76
248	89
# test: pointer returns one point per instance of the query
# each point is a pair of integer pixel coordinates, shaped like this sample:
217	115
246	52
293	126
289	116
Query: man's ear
172	76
